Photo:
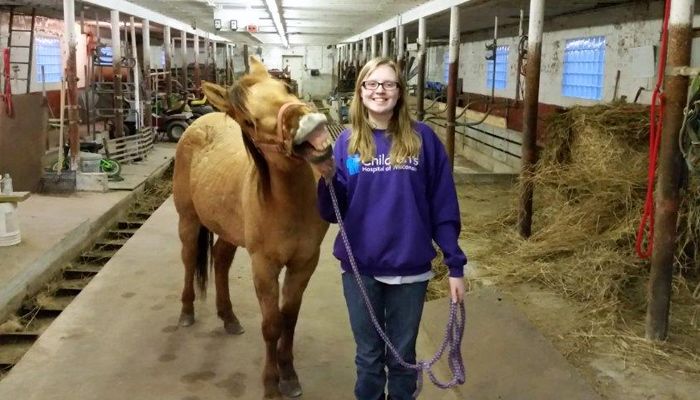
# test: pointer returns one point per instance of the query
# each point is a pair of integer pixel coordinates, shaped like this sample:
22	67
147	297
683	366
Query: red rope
7	92
655	128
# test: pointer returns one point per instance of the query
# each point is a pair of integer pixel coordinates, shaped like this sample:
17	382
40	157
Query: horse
238	174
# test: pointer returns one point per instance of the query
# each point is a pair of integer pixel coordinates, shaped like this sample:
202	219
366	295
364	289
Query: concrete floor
119	338
55	228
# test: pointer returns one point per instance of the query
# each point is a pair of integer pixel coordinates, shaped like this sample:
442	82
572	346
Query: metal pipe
385	44
146	39
452	84
670	169
374	46
72	78
117	81
168	67
420	89
532	88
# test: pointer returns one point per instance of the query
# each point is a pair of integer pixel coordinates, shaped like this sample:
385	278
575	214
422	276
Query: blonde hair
405	141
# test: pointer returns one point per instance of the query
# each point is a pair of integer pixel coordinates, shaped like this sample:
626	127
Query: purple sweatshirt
392	214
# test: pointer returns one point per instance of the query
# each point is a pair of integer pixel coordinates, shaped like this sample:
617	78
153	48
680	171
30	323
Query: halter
283	142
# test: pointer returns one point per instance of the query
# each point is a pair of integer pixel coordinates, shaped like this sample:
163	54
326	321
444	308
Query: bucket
9	224
90	162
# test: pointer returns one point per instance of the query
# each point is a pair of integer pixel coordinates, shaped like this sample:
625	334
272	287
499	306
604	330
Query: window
501	68
584	62
48	55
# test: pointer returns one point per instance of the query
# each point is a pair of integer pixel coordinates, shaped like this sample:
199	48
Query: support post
452	84
385	44
245	59
213	61
374	46
364	52
669	172
72	82
183	59
146	85
229	64
531	101
420	89
137	80
337	67
197	76
400	45
356	58
117	81
168	68
351	53
520	59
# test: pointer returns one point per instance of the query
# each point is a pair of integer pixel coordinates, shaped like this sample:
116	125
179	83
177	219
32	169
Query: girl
396	195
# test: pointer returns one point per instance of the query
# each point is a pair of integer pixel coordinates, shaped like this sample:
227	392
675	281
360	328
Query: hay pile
590	185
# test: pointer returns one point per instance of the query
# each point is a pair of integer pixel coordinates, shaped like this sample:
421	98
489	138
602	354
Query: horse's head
273	121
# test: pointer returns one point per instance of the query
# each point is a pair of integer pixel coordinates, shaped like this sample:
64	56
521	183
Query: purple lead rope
453	332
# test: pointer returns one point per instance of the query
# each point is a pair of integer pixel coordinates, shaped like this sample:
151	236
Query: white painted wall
315	57
624	40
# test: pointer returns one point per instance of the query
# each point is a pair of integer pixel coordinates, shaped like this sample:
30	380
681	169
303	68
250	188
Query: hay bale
590	185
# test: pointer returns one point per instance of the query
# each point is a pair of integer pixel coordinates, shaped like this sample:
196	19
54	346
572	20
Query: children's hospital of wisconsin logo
382	163
353	164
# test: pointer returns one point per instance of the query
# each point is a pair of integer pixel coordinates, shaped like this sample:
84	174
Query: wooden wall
23	140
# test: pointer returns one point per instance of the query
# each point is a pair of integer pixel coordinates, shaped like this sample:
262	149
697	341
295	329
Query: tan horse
239	176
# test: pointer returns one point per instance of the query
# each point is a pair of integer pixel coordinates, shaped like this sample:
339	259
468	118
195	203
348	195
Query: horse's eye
249	123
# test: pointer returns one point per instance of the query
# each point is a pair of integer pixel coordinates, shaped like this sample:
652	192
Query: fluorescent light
277	20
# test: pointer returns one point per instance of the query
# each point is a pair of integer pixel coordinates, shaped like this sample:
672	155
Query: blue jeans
398	309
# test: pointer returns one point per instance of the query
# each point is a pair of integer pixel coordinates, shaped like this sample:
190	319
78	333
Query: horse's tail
205	242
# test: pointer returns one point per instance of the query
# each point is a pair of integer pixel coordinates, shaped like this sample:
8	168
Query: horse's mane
239	93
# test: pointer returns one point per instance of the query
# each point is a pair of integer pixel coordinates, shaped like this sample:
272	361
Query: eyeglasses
374	85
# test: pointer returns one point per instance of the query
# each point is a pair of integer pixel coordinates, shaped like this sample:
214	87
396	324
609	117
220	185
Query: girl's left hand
457	289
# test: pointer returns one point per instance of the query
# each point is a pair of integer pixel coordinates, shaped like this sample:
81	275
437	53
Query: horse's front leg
296	278
265	278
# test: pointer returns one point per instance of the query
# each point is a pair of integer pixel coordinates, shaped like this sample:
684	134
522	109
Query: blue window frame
584	64
501	68
48	54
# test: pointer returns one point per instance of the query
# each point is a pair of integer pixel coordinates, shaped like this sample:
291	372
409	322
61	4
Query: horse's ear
257	69
217	96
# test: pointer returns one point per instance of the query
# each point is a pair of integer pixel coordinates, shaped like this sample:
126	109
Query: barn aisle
119	339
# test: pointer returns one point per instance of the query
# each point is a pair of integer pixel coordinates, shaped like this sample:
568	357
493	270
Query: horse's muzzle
309	125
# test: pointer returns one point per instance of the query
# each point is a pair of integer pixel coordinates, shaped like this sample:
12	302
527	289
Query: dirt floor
620	365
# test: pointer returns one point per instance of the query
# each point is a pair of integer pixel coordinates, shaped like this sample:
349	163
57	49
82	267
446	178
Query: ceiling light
277	19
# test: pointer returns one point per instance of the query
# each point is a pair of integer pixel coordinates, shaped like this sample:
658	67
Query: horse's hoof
290	388
233	327
186	319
